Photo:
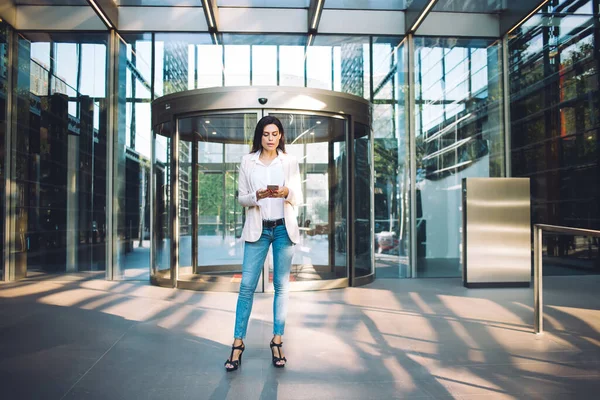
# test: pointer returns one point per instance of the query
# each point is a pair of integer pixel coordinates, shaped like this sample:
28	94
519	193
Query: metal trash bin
496	232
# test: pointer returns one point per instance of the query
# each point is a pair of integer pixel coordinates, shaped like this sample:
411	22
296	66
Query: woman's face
271	137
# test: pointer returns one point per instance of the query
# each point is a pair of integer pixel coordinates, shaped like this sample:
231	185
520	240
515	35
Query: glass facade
459	134
132	158
59	154
391	158
437	116
5	32
555	121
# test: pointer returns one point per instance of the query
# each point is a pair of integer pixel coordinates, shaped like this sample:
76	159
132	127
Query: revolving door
200	137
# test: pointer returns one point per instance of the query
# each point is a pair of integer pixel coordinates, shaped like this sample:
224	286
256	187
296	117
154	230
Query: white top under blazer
247	187
263	175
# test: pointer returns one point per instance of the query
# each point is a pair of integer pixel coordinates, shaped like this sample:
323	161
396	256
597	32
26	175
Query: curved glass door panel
210	218
319	143
161	245
362	161
185	209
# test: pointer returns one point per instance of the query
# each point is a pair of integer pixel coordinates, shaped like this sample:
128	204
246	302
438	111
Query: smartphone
272	187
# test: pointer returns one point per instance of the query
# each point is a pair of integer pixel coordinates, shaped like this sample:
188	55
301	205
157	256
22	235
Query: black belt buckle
272	223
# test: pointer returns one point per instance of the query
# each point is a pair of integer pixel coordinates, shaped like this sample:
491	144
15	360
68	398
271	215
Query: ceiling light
317	15
211	21
318	122
100	13
312	133
527	17
423	15
214	133
207	122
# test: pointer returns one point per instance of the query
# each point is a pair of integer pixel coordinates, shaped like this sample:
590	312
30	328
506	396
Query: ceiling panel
366	4
467	6
264	3
51	2
159	3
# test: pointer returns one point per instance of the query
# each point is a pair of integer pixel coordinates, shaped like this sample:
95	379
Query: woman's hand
280	193
262	194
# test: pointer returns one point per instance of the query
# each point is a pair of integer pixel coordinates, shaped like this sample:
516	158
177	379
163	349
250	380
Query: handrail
537	265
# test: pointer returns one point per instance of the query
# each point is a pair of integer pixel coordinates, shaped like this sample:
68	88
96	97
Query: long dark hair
258	133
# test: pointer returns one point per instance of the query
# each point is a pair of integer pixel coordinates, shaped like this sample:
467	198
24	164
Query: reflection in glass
131	173
59	166
555	125
458	134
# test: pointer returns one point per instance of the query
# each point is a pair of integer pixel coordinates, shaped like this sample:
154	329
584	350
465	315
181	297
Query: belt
273	223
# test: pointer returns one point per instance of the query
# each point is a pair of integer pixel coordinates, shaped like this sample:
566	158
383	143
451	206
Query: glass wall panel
318	67
264	65
291	65
391	159
210	66
4	93
189	61
186	61
363	204
237	65
350	63
161	267
131	174
60	160
459	134
555	122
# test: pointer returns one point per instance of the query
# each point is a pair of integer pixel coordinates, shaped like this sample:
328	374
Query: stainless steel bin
496	232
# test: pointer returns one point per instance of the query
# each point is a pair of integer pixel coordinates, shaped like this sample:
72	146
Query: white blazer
247	198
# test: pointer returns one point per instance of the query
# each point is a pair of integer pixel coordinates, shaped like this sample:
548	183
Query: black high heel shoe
277	359
235	364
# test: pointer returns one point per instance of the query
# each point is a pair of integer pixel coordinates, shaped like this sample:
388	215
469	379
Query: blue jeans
255	254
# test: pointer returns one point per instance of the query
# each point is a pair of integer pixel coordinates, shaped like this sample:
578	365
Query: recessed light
214	133
318	122
207	122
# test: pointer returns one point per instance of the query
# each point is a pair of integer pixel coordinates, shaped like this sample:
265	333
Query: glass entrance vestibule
199	138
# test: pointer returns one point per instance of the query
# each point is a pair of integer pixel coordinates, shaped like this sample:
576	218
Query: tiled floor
425	338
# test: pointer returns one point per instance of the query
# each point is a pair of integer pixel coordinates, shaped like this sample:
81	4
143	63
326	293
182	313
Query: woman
269	186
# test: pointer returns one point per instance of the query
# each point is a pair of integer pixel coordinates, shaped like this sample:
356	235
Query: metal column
174	259
412	154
